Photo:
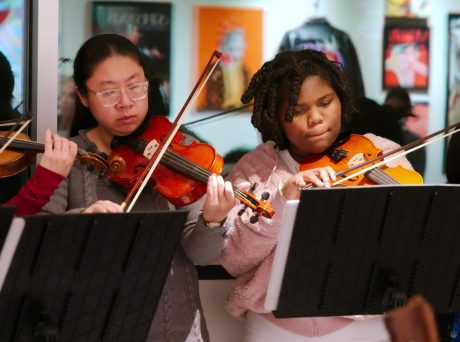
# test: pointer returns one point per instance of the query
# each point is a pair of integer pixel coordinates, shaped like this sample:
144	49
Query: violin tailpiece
337	154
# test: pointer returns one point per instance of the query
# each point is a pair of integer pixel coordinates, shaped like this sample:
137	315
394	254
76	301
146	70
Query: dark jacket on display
318	34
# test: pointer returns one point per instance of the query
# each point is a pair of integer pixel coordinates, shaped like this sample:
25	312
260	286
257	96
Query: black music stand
365	250
88	277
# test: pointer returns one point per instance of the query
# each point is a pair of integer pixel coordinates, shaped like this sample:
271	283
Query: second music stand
353	251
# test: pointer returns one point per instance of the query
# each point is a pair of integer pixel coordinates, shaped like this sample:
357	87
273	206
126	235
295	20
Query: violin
13	162
353	151
183	171
21	153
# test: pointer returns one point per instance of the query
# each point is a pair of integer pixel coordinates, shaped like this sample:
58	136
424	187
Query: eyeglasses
111	97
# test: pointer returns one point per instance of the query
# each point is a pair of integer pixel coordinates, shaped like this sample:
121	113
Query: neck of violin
29	146
23	145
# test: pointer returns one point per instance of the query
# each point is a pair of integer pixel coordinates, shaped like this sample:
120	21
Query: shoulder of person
381	142
257	162
265	153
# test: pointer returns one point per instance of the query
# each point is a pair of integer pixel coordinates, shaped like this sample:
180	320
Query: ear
82	97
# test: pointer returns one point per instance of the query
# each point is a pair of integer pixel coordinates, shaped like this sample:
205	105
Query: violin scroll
93	160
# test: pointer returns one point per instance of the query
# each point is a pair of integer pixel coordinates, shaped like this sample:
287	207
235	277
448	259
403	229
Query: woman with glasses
112	102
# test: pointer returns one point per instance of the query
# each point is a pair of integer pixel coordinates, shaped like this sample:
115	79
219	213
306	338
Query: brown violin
183	171
21	153
352	152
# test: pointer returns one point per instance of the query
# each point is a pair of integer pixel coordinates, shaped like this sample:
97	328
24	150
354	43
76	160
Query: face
317	119
114	73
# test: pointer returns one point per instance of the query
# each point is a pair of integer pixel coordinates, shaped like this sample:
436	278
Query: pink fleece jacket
249	253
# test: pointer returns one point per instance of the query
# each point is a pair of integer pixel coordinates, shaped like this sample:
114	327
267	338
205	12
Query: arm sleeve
36	192
58	203
202	244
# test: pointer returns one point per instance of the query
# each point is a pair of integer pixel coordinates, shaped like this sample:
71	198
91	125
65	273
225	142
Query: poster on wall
453	78
407	8
148	25
394	8
406	54
237	33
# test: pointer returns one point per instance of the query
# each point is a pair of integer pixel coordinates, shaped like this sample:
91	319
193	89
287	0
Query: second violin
353	150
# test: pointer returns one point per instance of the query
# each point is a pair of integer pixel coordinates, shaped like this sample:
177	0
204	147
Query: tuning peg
242	210
254	218
265	195
253	187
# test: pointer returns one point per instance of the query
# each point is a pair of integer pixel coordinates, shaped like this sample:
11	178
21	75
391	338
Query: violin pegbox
261	206
246	205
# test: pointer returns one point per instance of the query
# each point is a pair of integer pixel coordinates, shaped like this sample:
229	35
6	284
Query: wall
362	20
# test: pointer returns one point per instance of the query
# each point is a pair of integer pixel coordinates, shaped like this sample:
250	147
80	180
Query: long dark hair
7	83
280	80
6	90
93	52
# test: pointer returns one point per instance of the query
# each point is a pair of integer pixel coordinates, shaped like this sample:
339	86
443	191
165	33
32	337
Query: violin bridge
150	149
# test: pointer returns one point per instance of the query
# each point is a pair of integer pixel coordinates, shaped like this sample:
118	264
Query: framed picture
237	33
13	43
453	74
397	8
406	54
148	25
407	8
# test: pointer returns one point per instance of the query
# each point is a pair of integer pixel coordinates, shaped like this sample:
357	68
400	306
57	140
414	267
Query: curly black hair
280	80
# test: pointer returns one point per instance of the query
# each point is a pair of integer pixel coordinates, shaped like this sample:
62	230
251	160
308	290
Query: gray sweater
179	315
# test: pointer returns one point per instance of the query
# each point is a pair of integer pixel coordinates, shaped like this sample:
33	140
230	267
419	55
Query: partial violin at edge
21	153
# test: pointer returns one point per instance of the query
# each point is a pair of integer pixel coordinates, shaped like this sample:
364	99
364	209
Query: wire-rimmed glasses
111	97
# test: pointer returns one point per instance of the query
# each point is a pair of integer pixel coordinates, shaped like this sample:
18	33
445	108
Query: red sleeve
36	192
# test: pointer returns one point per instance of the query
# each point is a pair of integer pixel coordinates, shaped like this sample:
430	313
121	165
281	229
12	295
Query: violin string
380	177
186	166
377	175
201	174
386	176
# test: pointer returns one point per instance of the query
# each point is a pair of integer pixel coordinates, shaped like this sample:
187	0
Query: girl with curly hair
301	104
